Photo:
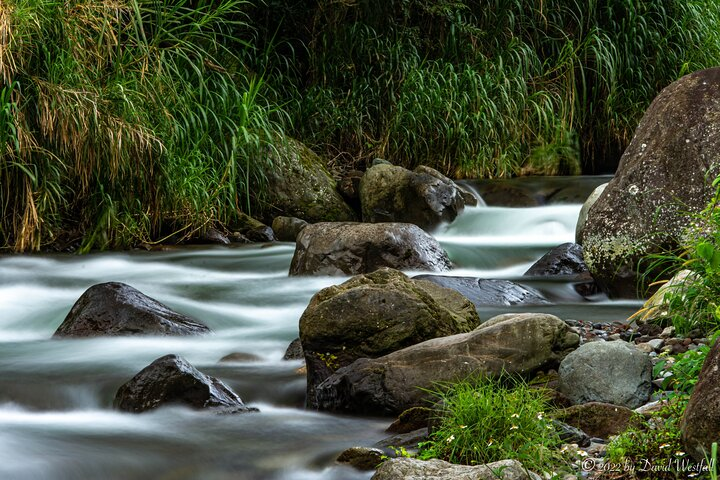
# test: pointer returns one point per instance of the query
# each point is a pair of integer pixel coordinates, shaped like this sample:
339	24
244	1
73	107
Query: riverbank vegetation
123	122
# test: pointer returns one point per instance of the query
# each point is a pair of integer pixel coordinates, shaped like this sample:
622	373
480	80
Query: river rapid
56	416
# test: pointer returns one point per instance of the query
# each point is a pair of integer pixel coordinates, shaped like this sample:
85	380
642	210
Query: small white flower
463	426
540	416
450	438
491	442
514	427
679	454
515	415
664	445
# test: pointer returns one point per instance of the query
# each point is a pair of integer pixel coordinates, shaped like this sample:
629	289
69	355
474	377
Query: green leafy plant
485	420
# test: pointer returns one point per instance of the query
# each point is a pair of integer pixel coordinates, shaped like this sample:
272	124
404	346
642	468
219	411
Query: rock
409	440
610	372
362	458
400	380
411	419
565	259
582	217
213	236
655	309
414	469
237	237
645	347
700	424
239	357
663	177
484	292
354	248
373	315
570	434
601	420
287	228
300	186
294	351
115	308
254	229
172	380
423	197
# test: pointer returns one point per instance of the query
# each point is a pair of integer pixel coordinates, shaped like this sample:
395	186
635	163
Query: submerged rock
354	248
373	315
403	379
665	174
115	308
484	292
423	197
172	380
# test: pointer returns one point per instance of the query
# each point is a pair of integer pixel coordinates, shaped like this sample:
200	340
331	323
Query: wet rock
254	229
601	420
570	434
299	185
214	236
355	248
423	197
294	351
172	380
700	425
582	217
411	419
287	228
408	440
414	469
610	372
400	380
663	177
565	259
115	308
239	357
484	292
362	458
373	315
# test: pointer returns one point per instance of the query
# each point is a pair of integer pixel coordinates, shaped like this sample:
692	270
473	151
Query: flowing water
56	420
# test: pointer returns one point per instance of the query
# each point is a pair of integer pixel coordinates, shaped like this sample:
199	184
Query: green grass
485	420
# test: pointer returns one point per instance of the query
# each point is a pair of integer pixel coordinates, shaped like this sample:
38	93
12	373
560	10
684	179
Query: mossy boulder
664	175
376	314
299	185
423	197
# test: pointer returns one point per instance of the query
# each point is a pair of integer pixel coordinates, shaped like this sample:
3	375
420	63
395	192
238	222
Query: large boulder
484	292
424	197
172	380
700	425
355	248
299	185
115	308
609	372
391	384
414	469
565	259
373	315
663	176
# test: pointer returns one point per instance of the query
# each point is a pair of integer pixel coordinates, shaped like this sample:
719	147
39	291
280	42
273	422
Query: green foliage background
122	122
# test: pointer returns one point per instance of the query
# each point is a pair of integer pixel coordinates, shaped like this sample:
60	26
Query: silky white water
56	416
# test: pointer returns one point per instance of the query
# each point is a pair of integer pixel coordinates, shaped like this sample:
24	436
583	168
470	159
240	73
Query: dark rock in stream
354	248
172	380
565	259
484	292
294	351
115	308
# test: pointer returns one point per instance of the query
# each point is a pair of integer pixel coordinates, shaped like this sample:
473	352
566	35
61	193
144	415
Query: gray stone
611	372
565	259
355	248
117	309
294	351
663	177
484	292
423	197
413	469
287	228
400	380
172	380
362	458
373	315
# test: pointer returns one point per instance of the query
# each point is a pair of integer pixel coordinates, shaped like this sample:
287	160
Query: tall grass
491	88
127	120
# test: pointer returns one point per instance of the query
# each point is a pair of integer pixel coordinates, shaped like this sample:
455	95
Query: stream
56	416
